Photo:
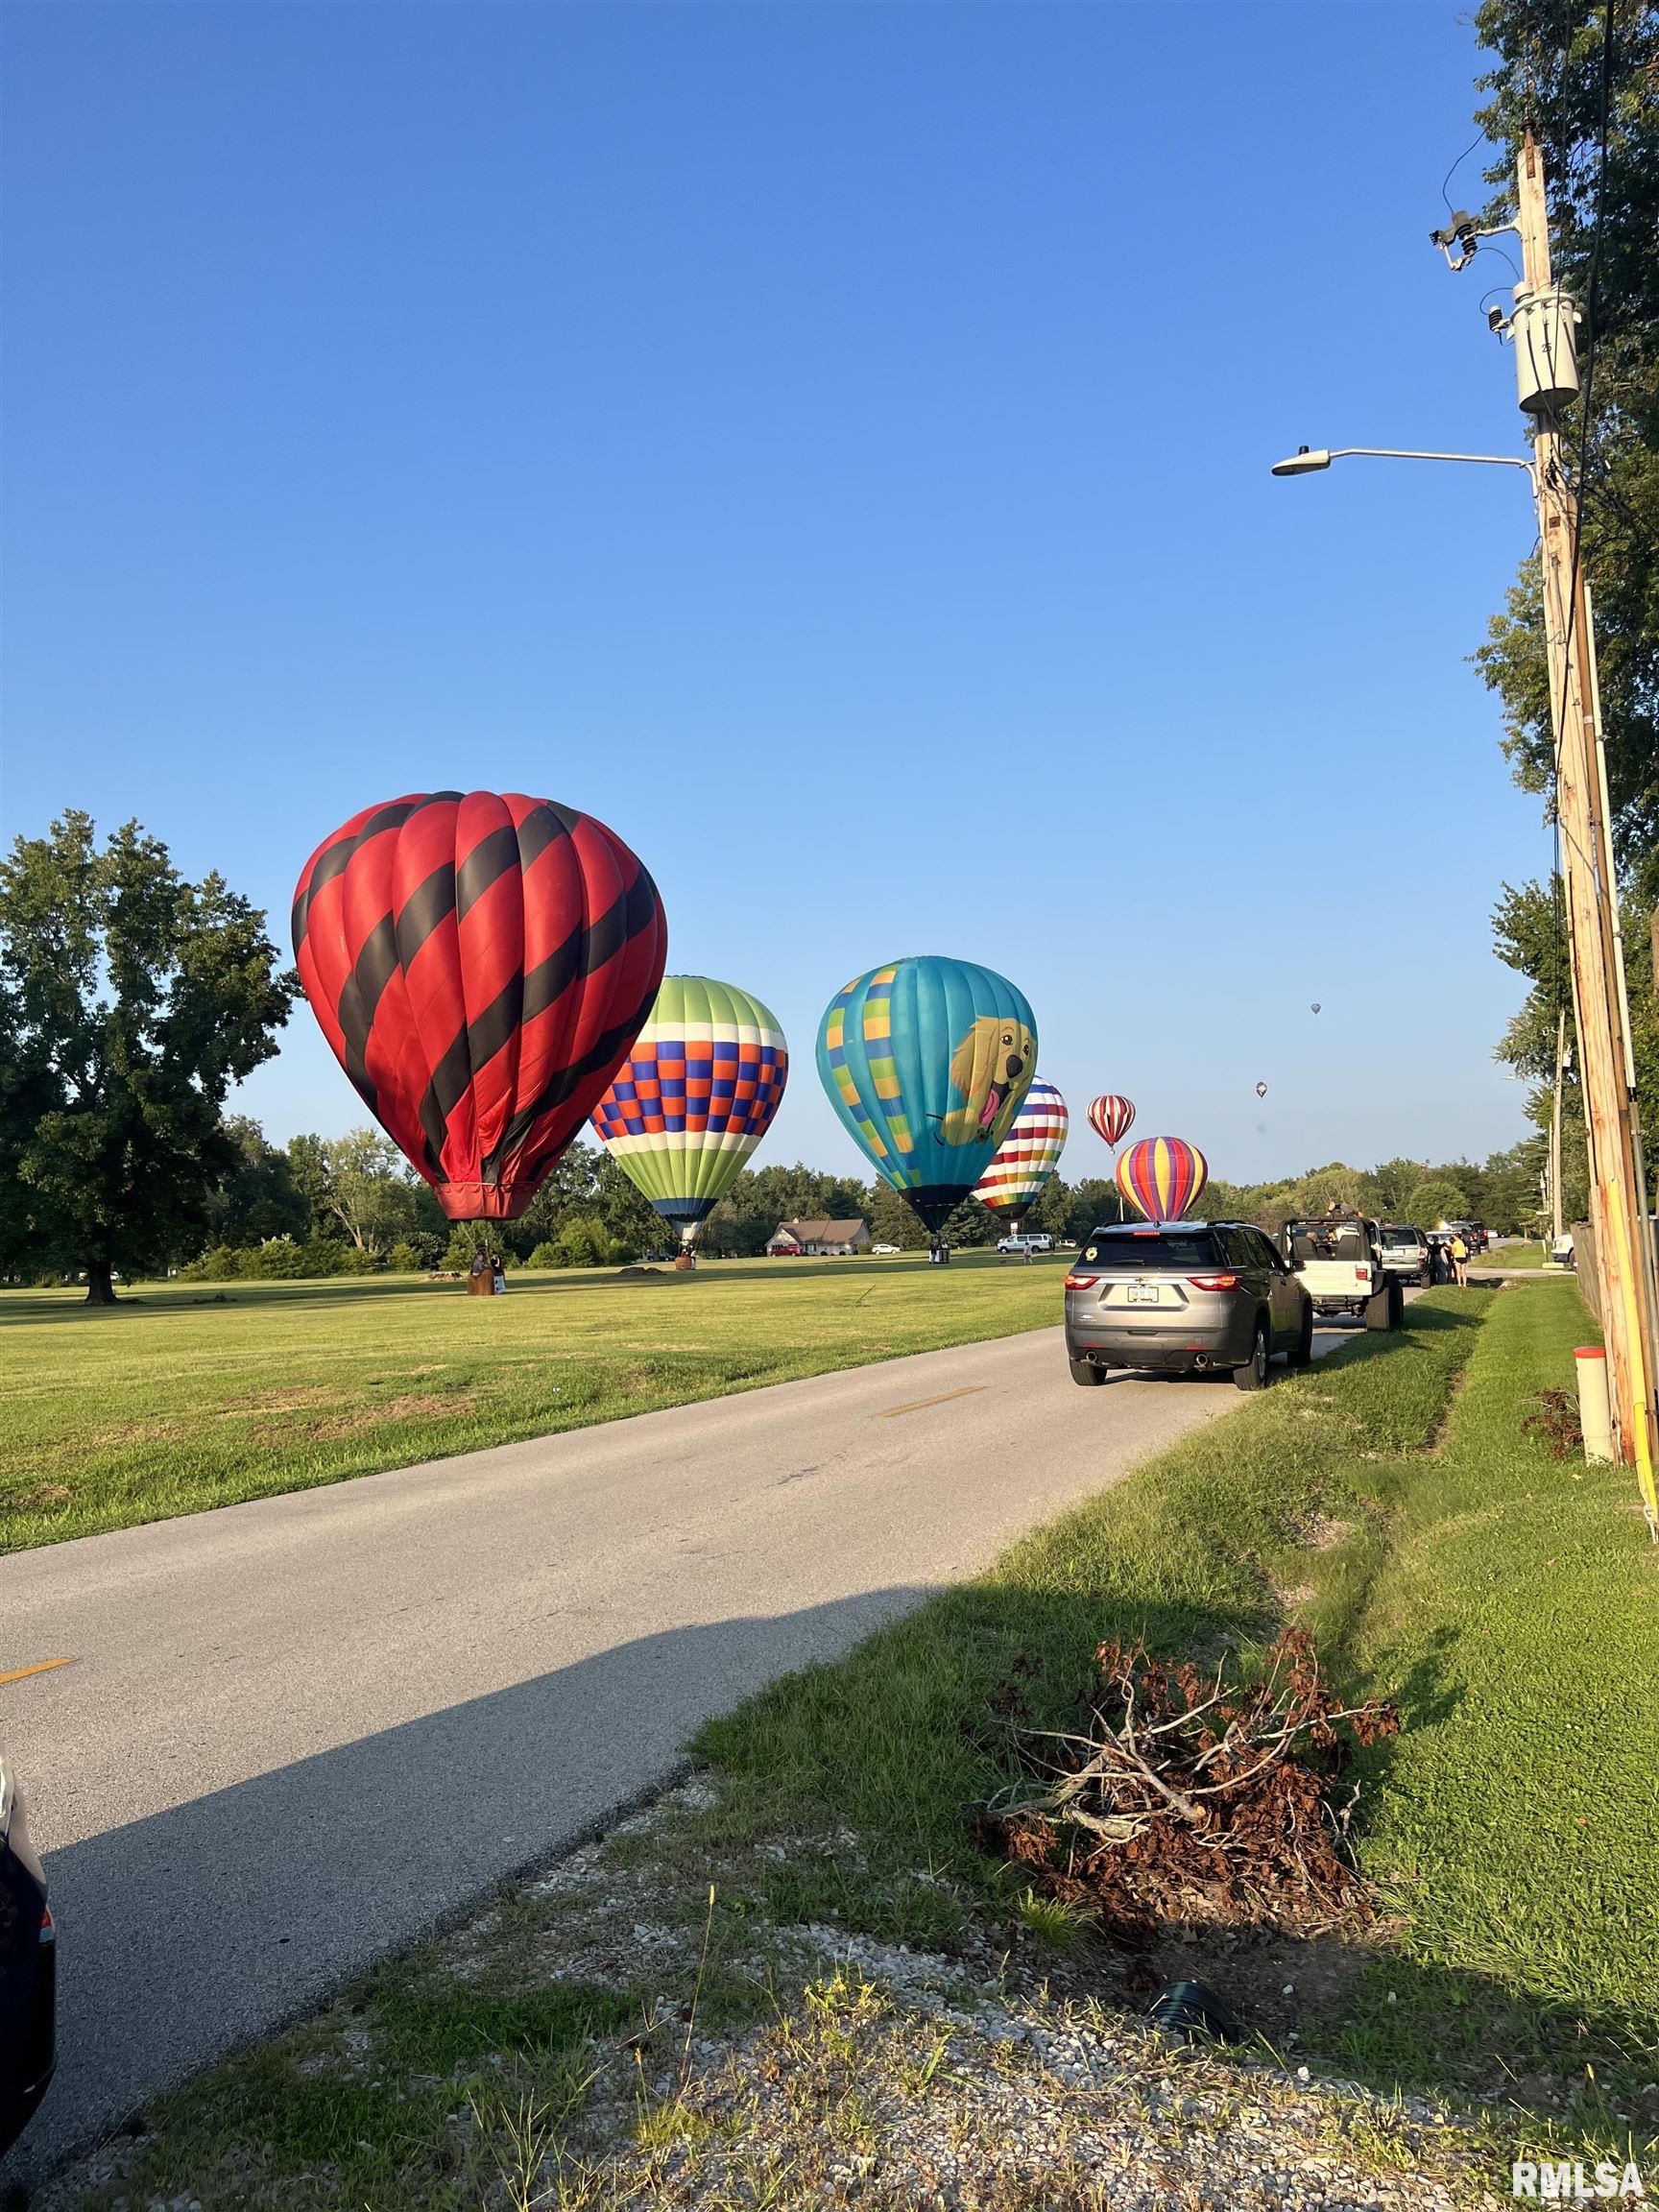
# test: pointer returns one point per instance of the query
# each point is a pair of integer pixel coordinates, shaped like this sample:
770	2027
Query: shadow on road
188	1932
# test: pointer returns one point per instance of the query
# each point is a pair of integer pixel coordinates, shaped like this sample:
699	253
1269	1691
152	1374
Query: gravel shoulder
713	2052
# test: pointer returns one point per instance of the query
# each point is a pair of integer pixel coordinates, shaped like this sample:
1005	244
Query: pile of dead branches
1178	1799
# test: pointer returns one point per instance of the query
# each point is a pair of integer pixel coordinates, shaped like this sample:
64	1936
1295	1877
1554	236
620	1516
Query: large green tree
1587	84
131	1000
257	1196
1556	70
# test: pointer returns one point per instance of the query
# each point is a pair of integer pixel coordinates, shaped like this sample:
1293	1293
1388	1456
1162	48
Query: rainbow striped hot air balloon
1109	1118
1163	1176
694	1096
1028	1156
926	1062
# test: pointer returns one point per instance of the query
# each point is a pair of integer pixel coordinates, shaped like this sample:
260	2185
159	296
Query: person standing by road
1459	1259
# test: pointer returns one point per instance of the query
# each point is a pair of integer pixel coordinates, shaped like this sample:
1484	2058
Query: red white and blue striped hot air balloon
480	965
1029	1155
1163	1176
1109	1118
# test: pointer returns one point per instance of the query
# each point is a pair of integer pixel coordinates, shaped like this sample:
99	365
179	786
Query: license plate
1142	1294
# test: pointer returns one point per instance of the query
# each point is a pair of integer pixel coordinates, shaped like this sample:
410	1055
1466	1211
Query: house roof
822	1232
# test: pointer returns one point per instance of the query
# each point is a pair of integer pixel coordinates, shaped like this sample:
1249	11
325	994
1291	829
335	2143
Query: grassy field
1517	1822
1513	1252
1192	1553
1390	1499
193	1395
458	2075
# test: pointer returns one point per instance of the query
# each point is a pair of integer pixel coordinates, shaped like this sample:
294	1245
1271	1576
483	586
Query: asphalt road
296	1734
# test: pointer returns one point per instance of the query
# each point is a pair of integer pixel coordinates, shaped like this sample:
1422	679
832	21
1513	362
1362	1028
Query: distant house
818	1238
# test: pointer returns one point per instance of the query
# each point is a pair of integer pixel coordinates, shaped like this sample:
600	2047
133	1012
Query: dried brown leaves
1179	1798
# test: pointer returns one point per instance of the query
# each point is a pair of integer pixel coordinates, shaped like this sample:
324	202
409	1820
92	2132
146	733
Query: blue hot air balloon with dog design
926	1062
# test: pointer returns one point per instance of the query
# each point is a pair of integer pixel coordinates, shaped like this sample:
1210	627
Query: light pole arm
1393	453
1309	459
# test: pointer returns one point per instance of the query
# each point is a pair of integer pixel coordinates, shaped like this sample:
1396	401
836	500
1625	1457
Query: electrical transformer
1543	330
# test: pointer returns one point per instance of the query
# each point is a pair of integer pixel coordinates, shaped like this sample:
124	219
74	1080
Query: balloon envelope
480	965
1163	1176
694	1096
1110	1116
1029	1155
1261	1090
926	1062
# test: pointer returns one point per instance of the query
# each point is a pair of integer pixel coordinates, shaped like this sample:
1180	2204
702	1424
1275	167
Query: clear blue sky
830	442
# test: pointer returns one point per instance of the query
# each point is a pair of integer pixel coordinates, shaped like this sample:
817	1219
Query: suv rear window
1151	1249
1328	1240
1400	1233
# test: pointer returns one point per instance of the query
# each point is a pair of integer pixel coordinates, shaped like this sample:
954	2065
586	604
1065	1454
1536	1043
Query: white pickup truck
1339	1259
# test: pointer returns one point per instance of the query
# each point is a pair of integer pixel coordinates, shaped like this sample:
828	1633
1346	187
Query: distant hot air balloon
926	1062
1261	1090
694	1096
480	966
1316	1005
1028	1156
1110	1116
1163	1176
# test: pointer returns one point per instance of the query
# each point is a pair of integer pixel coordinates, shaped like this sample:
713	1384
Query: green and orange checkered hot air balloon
694	1096
1163	1176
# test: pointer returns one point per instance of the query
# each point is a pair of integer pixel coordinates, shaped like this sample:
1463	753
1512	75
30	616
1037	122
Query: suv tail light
1081	1282
1213	1281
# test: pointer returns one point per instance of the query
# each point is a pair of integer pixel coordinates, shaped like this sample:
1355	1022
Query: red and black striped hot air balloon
481	965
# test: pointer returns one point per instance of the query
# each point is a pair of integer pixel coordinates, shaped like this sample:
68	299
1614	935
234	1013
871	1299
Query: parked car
1187	1297
28	1969
1561	1250
886	1251
1405	1251
1036	1240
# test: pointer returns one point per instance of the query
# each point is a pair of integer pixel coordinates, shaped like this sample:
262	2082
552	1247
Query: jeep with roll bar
1339	1257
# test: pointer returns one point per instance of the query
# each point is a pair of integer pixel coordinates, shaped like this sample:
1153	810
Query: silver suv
1405	1251
1186	1297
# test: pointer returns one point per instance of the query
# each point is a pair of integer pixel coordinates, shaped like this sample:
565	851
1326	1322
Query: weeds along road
295	1734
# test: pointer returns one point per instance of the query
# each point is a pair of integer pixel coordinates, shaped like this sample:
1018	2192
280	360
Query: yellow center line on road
41	1667
944	1398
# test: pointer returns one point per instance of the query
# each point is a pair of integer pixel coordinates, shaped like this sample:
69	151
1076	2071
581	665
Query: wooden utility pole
1557	1225
1616	1200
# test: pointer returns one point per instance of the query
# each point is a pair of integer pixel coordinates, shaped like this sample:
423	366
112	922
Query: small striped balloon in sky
1163	1176
1109	1118
1028	1156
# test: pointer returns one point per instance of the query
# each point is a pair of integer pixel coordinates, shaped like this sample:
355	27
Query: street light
1308	458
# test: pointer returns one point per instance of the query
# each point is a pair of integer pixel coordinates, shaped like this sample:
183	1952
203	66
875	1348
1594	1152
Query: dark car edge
28	1969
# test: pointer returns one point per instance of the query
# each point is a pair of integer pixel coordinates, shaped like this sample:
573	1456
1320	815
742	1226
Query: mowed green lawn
1513	1252
191	1395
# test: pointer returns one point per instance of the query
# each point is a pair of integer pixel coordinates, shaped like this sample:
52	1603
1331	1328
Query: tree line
131	1000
